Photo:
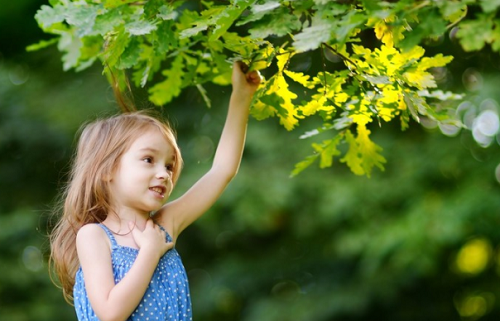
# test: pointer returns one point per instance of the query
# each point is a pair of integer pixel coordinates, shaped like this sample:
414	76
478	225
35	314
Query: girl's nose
163	174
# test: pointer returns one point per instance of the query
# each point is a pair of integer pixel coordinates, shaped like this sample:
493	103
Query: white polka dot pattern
167	297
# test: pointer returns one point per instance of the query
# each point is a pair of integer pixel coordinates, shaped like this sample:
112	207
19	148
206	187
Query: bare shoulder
91	235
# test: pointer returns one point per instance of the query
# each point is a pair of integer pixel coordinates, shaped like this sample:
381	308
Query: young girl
109	250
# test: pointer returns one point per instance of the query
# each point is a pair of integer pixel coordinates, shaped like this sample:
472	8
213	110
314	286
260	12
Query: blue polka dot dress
167	297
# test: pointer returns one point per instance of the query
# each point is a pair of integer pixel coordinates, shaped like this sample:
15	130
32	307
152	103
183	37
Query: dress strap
110	235
167	236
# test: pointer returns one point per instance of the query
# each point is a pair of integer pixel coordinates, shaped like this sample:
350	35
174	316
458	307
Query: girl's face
142	180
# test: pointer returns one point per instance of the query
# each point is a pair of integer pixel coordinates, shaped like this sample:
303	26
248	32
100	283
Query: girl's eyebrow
149	149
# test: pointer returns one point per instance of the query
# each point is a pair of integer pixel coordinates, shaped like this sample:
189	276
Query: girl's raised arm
198	199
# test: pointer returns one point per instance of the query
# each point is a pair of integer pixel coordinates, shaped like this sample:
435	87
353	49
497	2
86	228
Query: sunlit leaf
42	44
164	91
46	16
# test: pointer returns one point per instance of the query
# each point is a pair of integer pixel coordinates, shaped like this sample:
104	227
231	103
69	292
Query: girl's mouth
160	190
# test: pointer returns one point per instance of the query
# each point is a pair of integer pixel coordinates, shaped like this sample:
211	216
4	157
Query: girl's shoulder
91	229
92	234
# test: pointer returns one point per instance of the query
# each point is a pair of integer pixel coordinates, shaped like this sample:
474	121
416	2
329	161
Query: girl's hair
86	197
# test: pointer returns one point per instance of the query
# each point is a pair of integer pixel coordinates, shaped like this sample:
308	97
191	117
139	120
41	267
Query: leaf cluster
175	44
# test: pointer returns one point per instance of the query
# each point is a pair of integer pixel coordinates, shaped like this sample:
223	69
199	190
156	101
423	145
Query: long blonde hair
85	198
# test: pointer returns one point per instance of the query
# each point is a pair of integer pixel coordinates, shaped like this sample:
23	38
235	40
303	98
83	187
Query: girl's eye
148	160
169	167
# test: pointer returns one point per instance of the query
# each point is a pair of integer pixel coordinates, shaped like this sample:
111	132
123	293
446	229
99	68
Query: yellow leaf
315	105
390	58
390	95
261	111
414	53
369	151
300	78
384	31
387	114
352	157
283	57
341	98
361	118
420	79
258	65
289	121
437	61
282	89
360	50
363	154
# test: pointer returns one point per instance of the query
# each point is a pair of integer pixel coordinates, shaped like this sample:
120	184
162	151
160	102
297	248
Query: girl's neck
119	221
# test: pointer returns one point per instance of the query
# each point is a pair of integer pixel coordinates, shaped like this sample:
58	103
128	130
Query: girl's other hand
244	83
152	238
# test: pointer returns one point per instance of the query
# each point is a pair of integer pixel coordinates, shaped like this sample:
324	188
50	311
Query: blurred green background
419	241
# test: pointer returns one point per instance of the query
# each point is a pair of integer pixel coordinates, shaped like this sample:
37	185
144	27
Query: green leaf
311	37
116	3
267	106
302	165
201	23
70	45
131	54
140	27
348	23
259	11
353	158
327	150
430	25
42	44
227	17
489	5
495	43
163	92
141	75
363	154
166	12
107	22
82	17
474	34
203	93
115	48
280	23
378	80
46	16
452	10
165	39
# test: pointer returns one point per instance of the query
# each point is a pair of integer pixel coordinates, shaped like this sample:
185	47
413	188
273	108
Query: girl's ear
107	177
108	174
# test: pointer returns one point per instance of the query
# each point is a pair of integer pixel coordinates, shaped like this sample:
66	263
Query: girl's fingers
254	77
243	67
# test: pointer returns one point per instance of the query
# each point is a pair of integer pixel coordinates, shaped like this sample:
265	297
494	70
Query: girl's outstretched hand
152	238
245	83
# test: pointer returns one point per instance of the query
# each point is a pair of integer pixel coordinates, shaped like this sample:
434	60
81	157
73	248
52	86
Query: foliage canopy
385	73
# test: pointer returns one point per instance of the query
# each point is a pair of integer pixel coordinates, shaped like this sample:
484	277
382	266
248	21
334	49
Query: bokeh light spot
474	256
202	148
472	79
487	123
19	74
449	129
32	258
286	290
474	305
497	175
